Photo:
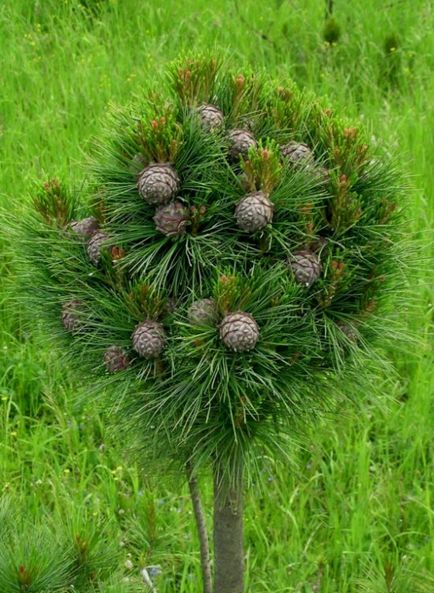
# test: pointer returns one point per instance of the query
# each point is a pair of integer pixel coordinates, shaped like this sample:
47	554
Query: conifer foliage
235	257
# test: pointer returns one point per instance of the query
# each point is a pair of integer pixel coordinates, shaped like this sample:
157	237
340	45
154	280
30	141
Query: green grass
354	512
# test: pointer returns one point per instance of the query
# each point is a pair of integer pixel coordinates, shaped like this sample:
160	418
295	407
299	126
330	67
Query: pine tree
228	275
54	552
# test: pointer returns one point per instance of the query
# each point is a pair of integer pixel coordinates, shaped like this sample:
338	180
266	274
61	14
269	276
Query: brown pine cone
158	183
306	267
203	311
239	143
95	246
71	318
115	359
297	153
239	332
254	212
211	117
85	227
348	330
172	220
149	339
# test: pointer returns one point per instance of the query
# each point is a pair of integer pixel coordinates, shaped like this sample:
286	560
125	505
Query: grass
355	510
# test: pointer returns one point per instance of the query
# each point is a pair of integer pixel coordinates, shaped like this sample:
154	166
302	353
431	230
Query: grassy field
355	510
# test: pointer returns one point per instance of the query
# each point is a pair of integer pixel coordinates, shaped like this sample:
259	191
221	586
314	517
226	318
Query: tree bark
329	8
228	534
199	515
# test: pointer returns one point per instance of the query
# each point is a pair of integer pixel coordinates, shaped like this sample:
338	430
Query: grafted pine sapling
235	260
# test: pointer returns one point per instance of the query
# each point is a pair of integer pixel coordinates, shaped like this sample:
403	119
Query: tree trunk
202	531
228	534
329	8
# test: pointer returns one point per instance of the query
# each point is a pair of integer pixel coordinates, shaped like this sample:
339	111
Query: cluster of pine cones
158	184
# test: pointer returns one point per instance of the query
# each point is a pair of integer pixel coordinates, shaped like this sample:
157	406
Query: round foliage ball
246	291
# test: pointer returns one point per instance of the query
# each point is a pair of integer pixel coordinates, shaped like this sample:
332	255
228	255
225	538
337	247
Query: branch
329	7
201	528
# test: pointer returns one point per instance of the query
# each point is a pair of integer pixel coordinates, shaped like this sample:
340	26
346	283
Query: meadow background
355	511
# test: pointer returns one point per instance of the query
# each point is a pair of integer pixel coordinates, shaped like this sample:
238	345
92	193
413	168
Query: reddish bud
284	93
52	185
371	306
117	253
226	279
240	81
350	133
338	267
306	209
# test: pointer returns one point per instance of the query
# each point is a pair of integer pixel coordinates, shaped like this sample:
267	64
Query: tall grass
355	511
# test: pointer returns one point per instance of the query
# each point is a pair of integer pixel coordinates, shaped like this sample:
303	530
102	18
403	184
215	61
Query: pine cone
115	359
324	175
202	312
254	212
173	219
240	141
211	117
95	246
306	267
71	318
158	183
348	330
149	339
297	152
239	332
171	305
85	227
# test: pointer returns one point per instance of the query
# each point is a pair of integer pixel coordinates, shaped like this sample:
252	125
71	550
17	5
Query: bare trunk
228	535
202	531
329	8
